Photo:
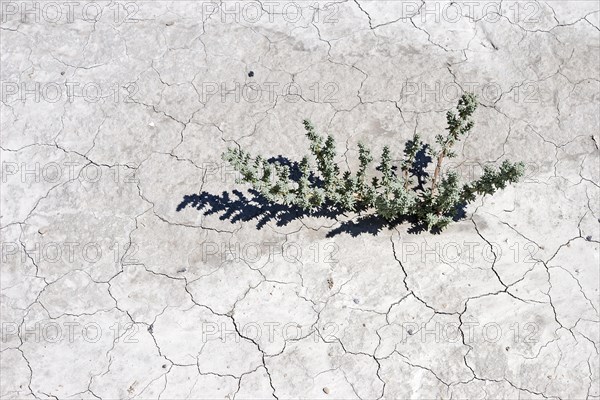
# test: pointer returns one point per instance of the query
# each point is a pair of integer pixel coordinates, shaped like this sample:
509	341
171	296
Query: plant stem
406	171
438	169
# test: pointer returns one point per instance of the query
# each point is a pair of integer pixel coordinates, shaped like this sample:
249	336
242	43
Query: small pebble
326	390
356	301
62	72
588	238
251	74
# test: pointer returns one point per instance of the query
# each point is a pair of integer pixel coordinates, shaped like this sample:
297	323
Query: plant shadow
253	206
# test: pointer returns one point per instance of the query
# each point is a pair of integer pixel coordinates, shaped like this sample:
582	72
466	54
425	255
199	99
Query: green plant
433	202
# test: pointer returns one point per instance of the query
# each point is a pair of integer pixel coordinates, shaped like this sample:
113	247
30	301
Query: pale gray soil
113	112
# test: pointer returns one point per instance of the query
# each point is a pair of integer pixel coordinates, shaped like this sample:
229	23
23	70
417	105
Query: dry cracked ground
116	285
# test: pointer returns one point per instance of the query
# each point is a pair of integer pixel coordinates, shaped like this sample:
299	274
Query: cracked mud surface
111	290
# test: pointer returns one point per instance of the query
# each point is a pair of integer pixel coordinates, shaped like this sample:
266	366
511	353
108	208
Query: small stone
326	390
62	72
329	283
356	301
588	238
251	74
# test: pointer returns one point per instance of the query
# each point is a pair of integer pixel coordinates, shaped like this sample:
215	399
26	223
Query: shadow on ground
237	206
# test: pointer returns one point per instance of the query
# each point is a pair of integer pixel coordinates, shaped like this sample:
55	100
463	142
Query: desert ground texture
134	267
